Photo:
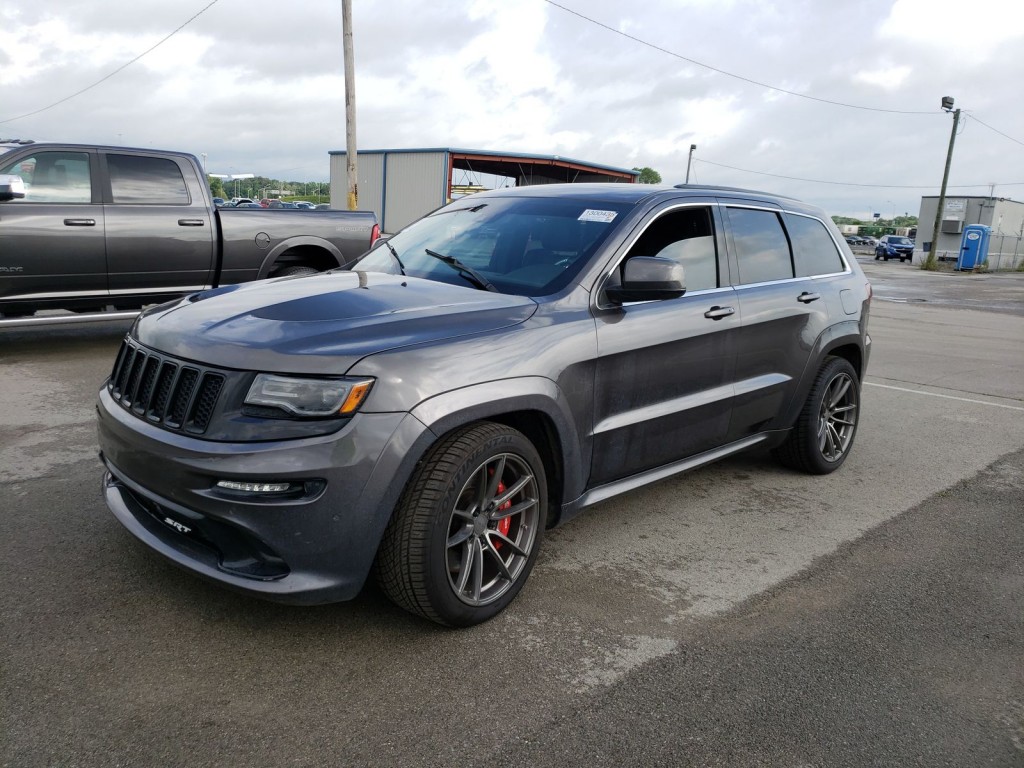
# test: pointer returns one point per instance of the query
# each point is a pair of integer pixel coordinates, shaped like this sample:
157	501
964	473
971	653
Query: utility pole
350	103
933	254
688	161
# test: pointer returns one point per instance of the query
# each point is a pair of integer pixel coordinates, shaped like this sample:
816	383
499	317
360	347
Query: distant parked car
870	241
250	204
218	201
322	207
894	247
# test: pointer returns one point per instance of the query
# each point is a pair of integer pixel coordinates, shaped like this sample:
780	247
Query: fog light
234	485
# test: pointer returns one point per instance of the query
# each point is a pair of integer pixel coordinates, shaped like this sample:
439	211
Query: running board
84	317
602	492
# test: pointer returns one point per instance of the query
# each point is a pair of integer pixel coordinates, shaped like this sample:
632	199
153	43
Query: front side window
146	180
528	246
687	236
814	251
762	250
53	177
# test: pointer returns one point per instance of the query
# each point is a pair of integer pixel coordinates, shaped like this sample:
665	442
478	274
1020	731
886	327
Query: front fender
508	400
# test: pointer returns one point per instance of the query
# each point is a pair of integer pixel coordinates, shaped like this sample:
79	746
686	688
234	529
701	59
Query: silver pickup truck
86	227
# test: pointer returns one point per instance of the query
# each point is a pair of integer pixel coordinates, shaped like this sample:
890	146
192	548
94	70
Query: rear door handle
190	222
807	297
79	222
717	313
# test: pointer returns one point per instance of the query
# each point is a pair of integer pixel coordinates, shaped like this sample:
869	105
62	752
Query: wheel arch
305	250
534	406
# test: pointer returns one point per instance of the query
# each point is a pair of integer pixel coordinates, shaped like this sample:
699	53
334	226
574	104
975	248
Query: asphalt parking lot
740	615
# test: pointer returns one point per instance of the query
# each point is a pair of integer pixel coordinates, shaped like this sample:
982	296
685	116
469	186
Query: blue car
894	247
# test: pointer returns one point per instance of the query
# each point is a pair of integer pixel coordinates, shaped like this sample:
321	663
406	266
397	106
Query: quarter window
814	251
152	180
762	250
53	177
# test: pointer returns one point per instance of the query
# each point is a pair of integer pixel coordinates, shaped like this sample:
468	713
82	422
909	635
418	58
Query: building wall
1005	217
399	187
369	183
416	183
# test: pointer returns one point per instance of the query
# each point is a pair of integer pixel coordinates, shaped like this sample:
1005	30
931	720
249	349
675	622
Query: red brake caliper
506	522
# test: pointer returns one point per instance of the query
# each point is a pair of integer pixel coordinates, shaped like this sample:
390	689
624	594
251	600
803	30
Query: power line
730	74
852	183
119	69
975	119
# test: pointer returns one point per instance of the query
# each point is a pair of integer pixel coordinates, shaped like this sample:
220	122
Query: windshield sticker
604	216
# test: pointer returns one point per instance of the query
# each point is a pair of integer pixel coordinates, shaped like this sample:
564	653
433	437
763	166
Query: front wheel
823	435
467	530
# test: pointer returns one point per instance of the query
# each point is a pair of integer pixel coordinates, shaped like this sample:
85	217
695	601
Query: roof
497	163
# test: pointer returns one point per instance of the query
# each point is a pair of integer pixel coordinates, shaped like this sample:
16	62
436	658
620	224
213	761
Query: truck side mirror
11	186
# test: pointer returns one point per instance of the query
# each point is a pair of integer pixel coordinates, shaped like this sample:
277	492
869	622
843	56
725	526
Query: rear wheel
823	435
466	532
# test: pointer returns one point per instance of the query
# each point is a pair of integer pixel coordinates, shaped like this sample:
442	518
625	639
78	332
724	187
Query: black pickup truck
86	227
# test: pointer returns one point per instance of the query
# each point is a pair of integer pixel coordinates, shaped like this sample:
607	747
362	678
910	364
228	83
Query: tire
448	553
824	431
295	269
877	257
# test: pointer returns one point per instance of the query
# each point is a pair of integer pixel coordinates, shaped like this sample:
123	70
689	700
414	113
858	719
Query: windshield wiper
474	277
401	266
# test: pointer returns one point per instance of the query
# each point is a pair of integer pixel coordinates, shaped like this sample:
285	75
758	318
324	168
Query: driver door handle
190	222
79	222
807	297
717	313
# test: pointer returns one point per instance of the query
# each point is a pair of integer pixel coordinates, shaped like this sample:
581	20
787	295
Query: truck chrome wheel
492	529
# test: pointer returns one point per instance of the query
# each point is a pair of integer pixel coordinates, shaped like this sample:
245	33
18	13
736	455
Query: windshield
528	246
900	240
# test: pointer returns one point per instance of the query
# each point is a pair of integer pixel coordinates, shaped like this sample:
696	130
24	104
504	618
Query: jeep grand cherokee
501	364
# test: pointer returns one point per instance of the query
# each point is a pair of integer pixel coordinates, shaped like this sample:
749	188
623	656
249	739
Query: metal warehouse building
1004	216
400	185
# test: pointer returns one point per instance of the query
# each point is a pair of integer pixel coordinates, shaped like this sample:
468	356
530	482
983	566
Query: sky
836	103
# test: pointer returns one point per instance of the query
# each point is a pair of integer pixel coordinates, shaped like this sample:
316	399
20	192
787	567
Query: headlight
309	397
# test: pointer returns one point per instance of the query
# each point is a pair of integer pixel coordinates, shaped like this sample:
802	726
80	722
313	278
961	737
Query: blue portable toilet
973	247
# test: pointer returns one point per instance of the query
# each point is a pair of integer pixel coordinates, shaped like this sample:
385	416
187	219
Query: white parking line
948	397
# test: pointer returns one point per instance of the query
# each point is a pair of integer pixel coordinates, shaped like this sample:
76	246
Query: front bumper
315	546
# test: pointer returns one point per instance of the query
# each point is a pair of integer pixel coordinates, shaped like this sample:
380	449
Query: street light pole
688	161
932	260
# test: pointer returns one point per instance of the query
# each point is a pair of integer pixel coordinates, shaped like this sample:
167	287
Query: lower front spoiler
215	551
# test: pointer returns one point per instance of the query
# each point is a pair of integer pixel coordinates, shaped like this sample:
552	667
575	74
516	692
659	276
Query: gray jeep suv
427	412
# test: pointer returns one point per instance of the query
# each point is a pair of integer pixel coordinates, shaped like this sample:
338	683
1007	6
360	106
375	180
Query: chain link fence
1005	251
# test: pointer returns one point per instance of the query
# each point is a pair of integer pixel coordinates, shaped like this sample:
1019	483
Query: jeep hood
322	323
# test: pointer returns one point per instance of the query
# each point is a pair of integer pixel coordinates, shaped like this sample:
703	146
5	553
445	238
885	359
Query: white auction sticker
592	215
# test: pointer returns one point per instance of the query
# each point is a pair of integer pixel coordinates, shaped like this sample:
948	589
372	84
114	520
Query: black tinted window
153	180
53	177
814	251
762	250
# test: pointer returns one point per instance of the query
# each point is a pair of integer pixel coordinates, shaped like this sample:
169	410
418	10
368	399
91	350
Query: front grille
173	394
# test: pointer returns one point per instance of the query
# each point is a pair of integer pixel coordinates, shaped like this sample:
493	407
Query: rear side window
814	251
762	250
53	177
147	180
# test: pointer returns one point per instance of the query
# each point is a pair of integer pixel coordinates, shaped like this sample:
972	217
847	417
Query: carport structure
400	185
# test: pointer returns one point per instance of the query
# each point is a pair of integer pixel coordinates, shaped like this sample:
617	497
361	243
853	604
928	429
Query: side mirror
647	278
11	186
